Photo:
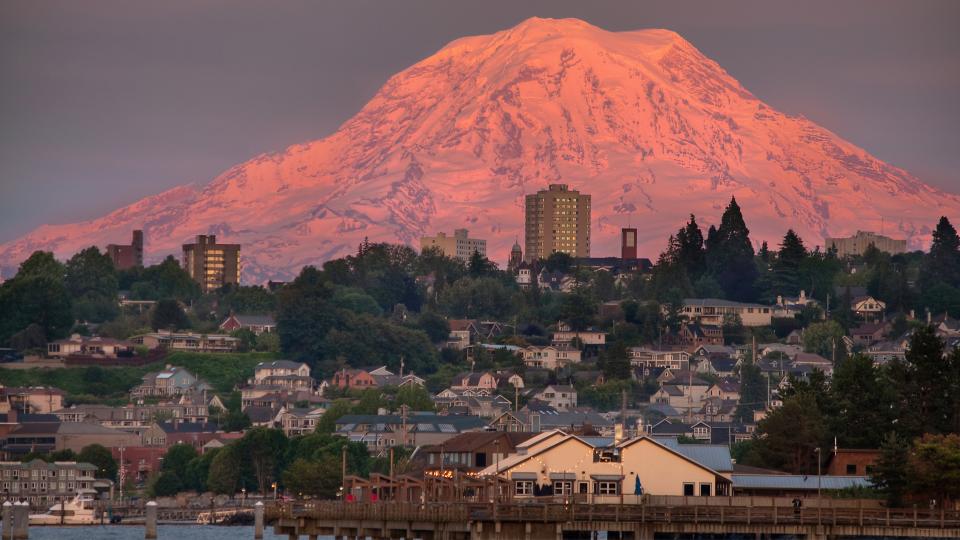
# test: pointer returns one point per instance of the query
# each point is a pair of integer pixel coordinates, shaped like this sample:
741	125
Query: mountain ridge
642	120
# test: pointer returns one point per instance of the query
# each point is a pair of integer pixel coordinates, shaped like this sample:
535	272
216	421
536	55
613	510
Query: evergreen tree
789	435
615	363
942	264
689	249
786	269
730	255
168	315
753	391
890	472
925	385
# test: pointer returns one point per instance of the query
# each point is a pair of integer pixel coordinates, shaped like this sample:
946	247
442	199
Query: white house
551	357
559	396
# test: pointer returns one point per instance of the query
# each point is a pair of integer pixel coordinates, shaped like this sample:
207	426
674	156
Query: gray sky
104	102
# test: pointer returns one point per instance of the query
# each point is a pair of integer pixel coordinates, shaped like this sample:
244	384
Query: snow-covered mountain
642	120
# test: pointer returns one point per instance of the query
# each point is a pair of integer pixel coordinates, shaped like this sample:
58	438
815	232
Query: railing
636	513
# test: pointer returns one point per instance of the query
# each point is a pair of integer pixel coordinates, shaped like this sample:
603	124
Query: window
562	487
851	468
704	490
688	489
607	488
582	487
523	487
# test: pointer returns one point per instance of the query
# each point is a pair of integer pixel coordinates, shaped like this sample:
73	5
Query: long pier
558	521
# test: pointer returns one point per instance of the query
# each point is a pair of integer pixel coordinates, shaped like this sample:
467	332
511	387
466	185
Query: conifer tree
786	269
942	264
730	255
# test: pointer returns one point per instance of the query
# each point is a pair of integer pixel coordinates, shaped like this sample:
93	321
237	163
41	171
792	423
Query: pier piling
7	519
21	521
150	532
258	520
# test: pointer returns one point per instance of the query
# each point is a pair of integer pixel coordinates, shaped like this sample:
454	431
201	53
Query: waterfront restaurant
595	469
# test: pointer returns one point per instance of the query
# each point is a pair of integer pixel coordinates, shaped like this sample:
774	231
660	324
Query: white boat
81	510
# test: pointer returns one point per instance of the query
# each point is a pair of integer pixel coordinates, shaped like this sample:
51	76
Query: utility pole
343	470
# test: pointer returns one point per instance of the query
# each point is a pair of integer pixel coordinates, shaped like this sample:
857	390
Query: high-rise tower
557	221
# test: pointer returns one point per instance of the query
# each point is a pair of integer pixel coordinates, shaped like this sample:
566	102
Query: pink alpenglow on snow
642	121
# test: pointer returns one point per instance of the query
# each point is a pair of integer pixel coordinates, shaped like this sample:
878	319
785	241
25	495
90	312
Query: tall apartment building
210	264
557	221
459	246
125	257
858	243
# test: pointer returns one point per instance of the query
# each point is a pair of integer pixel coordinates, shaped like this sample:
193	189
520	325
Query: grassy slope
111	385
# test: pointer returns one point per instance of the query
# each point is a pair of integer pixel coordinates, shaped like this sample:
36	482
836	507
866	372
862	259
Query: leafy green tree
328	422
248	340
355	300
101	458
41	263
863	397
603	287
559	262
198	471
166	484
415	397
729	255
167	314
470	298
305	316
753	391
434	325
263	450
821	338
165	280
268	342
790	434
313	478
480	266
91	280
178	458
247	300
615	363
224	474
890	472
39	298
235	421
933	467
579	309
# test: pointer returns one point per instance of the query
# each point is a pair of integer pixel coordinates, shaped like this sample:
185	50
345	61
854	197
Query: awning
523	476
563	476
607	477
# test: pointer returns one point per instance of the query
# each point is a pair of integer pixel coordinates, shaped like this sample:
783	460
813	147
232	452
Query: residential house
258	324
560	397
551	357
101	347
529	421
712	432
282	374
869	333
135	419
692	335
354	379
299	420
720	366
167	434
384	377
466	403
813	360
187	341
868	307
462	333
727	389
474	381
715	311
589	337
653	358
172	381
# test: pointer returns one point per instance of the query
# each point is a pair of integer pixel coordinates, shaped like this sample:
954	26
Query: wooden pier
557	521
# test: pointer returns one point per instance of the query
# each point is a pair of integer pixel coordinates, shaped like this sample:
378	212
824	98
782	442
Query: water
164	532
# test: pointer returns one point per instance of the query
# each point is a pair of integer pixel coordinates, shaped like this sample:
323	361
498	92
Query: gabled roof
280	364
255	320
187	427
701	455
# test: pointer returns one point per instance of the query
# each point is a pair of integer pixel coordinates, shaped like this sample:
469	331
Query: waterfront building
459	246
858	243
44	484
210	264
557	220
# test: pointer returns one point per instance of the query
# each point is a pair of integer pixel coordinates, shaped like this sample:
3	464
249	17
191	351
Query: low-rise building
471	452
354	379
551	357
380	432
52	436
90	346
44	484
525	420
297	421
652	358
559	396
30	399
868	307
589	337
714	311
172	381
258	324
187	341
